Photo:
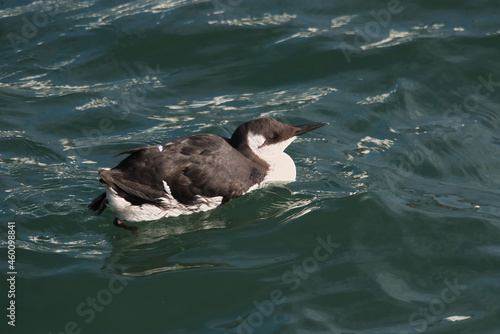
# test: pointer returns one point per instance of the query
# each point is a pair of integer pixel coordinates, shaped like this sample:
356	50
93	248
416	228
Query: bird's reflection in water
198	240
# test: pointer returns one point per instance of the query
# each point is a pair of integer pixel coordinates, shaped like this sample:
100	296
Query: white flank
170	207
282	167
160	148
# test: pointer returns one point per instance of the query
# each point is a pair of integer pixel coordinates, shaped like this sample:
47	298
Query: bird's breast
281	169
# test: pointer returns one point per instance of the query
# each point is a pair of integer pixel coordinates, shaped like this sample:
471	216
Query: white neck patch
282	167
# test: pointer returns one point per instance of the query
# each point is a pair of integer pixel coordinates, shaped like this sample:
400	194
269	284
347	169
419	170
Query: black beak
305	128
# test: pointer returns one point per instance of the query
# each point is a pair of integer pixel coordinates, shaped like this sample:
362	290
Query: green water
393	224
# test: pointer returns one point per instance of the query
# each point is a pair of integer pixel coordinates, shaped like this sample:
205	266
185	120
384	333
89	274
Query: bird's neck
248	153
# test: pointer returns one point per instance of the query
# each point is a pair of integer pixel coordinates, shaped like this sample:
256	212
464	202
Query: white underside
170	207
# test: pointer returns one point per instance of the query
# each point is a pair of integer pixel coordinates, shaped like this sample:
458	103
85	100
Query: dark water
393	225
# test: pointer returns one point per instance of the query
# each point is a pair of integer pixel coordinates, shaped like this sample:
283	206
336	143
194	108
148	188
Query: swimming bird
197	173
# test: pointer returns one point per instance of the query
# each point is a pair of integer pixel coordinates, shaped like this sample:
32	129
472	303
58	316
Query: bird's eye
273	137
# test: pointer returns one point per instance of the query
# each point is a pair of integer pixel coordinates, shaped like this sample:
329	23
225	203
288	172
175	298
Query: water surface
393	225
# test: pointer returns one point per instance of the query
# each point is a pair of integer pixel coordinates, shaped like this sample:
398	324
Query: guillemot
197	173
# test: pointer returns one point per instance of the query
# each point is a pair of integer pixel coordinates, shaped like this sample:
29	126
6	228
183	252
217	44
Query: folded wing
201	165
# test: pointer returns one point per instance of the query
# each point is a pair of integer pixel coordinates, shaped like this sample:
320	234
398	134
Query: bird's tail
99	203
